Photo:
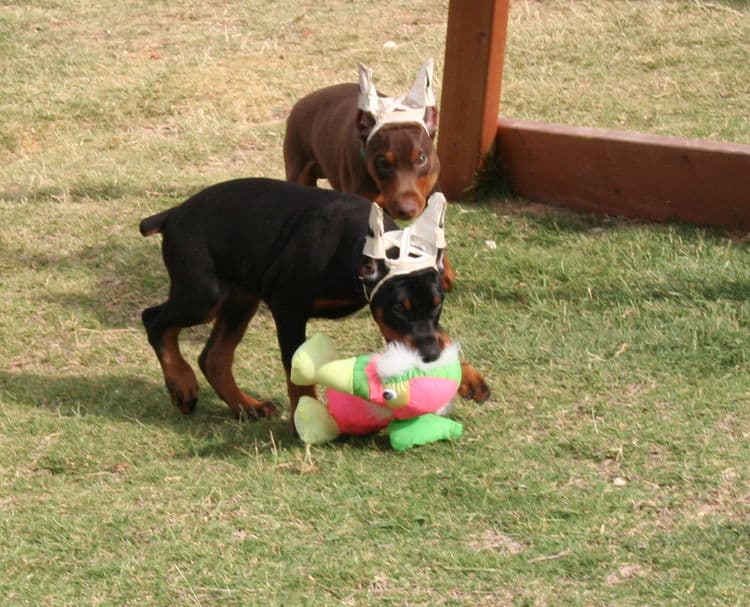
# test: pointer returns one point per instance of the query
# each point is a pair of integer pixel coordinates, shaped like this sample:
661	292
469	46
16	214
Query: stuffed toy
391	390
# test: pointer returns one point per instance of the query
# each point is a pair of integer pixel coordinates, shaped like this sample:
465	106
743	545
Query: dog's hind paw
184	395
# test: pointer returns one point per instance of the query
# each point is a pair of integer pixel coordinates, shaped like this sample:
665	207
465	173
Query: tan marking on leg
217	361
473	385
449	276
178	375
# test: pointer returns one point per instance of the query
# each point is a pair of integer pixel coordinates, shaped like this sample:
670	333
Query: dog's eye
402	307
382	165
421	159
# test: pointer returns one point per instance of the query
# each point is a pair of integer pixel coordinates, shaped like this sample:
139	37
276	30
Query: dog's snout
406	208
429	349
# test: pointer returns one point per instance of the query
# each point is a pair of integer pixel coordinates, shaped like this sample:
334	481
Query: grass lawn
612	463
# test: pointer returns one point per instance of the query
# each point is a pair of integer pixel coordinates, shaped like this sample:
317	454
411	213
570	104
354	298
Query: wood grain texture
620	173
470	100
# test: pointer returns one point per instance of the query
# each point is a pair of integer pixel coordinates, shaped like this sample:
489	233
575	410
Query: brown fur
324	140
397	168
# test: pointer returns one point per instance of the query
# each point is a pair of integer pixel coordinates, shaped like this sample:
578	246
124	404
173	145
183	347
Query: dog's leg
301	166
473	385
217	356
448	276
163	325
304	174
194	296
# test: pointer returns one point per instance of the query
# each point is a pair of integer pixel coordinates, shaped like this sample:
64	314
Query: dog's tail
154	224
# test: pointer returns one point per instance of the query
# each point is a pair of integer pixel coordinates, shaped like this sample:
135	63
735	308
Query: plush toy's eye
389	394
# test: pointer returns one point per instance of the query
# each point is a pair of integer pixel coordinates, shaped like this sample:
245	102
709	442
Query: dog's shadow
211	431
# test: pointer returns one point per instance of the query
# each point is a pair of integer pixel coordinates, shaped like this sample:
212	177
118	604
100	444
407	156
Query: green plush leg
309	357
313	422
422	430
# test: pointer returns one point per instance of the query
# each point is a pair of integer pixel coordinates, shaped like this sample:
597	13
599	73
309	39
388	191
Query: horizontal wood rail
620	173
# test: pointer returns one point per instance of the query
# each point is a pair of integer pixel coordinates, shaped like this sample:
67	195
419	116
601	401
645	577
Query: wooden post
470	101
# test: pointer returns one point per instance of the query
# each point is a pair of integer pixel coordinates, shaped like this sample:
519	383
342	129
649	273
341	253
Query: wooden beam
470	100
620	173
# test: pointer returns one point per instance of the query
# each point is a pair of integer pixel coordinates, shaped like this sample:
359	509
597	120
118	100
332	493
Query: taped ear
421	93
440	260
371	271
372	268
365	124
368	96
431	121
367	103
416	247
375	244
418	107
429	227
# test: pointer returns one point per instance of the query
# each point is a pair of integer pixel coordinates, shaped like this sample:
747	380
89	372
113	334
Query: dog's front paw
473	385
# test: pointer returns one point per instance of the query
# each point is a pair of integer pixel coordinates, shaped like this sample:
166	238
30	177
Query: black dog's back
263	233
250	203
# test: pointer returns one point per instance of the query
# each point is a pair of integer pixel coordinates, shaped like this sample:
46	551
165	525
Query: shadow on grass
128	277
551	218
133	400
86	189
211	431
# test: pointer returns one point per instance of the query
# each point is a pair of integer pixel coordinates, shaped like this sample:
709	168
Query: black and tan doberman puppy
299	250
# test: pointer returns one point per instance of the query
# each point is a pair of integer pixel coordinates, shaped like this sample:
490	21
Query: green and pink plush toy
392	390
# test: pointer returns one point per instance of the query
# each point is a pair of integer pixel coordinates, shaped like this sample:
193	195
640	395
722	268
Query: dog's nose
407	209
429	349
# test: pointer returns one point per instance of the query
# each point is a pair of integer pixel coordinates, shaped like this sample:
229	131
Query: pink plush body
355	415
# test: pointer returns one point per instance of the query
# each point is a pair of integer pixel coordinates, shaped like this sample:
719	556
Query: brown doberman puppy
379	147
301	251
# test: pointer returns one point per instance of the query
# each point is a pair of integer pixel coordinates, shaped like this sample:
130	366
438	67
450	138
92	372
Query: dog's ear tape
365	124
431	120
370	271
422	94
368	102
440	260
372	268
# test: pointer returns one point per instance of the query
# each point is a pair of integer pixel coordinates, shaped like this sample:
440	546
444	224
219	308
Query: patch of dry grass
670	68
